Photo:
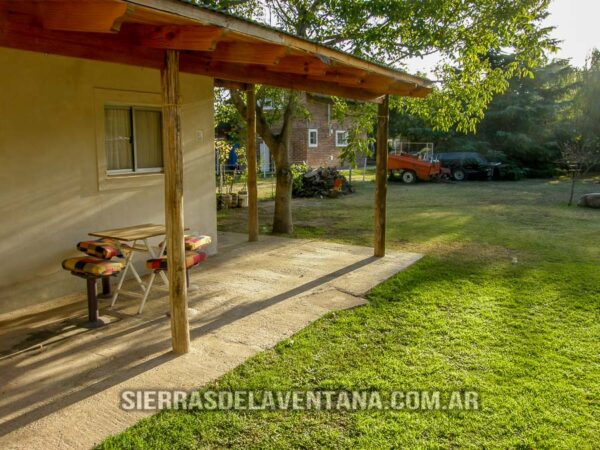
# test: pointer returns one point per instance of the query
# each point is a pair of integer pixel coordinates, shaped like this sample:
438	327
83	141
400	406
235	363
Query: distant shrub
298	171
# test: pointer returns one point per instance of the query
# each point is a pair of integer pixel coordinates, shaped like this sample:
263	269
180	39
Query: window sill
130	180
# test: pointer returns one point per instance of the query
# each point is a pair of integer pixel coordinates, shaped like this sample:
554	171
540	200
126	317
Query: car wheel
459	174
409	177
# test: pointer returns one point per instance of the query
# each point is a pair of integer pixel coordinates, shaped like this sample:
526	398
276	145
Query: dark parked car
465	165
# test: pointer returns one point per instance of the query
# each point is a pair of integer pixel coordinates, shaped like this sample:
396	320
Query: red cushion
92	266
191	259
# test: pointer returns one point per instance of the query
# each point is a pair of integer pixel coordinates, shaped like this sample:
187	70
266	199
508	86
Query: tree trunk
282	216
279	146
573	179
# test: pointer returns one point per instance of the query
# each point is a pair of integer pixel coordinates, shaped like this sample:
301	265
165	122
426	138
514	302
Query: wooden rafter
256	74
248	53
301	65
231	54
94	16
173	37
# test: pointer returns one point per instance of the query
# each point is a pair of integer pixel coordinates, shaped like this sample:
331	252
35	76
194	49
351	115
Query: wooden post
381	175
251	157
173	160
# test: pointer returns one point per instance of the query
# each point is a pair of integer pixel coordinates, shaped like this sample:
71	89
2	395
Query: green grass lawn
506	302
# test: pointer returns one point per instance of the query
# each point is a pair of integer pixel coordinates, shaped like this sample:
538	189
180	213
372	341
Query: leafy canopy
462	33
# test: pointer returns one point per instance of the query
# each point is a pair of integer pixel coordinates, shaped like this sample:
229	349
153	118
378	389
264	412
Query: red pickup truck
411	168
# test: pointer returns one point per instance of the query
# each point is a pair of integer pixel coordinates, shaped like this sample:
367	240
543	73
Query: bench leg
92	300
105	288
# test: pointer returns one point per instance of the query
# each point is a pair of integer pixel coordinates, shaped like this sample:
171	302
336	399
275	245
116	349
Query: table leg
160	254
122	277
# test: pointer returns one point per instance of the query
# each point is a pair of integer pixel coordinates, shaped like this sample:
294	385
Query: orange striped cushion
191	259
92	266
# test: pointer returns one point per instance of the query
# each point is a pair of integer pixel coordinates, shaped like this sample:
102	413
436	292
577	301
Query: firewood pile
322	182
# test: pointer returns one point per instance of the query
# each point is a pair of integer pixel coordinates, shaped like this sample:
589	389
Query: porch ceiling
231	50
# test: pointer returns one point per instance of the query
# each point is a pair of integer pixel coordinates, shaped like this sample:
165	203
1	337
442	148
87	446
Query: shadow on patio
61	382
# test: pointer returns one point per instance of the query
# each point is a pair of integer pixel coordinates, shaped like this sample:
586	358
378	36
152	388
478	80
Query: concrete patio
61	382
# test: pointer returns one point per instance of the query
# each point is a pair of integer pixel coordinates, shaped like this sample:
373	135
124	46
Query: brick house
317	141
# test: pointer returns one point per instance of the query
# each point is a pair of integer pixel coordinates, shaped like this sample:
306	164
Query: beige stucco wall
51	195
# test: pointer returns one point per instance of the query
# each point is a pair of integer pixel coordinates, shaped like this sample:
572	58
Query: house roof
231	49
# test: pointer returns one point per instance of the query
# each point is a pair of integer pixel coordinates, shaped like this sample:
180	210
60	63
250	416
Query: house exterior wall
326	153
54	190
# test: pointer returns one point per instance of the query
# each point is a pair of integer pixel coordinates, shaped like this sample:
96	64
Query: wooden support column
173	161
381	175
251	157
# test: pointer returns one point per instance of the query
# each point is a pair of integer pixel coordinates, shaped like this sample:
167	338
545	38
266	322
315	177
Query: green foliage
522	126
359	121
298	171
464	34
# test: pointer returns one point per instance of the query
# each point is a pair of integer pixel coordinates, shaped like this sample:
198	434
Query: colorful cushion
191	259
92	266
194	243
101	248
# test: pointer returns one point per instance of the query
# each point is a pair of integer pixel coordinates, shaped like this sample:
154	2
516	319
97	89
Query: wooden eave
229	49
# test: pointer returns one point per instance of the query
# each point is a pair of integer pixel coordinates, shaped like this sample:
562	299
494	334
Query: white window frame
267	104
135	170
316	132
339	133
131	180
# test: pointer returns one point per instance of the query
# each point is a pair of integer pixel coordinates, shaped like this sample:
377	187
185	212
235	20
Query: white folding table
135	239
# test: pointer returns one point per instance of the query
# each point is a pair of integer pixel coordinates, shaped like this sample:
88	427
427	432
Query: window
341	138
313	137
267	104
133	139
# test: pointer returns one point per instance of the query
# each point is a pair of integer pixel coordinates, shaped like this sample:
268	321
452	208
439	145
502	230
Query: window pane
119	154
341	138
148	138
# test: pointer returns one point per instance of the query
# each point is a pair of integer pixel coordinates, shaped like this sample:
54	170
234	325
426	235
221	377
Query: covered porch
62	382
174	36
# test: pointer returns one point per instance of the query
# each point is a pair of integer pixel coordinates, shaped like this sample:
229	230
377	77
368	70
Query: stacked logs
322	182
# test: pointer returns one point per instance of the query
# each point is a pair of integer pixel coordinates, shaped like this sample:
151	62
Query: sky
577	24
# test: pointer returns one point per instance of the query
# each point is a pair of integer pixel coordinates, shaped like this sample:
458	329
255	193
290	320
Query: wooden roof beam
248	53
258	75
92	16
170	37
301	65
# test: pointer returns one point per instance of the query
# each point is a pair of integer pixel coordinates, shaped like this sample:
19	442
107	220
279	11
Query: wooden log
173	158
251	157
381	175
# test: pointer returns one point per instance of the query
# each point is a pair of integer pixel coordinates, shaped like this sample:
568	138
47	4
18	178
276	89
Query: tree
581	148
523	126
462	33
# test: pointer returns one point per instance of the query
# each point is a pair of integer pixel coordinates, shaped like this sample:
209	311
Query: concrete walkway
62	390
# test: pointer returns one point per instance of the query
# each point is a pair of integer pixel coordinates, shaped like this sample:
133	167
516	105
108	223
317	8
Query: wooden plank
98	47
247	29
173	151
248	53
381	175
229	84
301	65
198	38
96	16
251	157
132	233
258	75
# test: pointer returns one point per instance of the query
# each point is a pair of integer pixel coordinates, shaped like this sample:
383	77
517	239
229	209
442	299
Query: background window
133	139
341	138
313	138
